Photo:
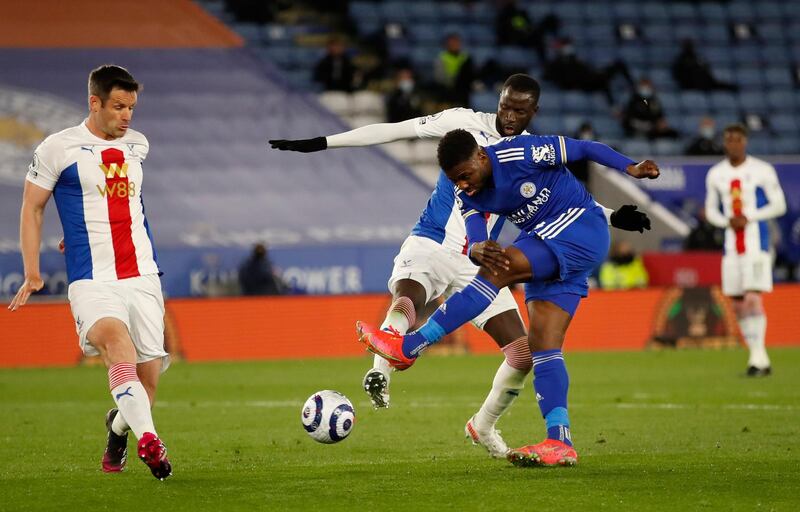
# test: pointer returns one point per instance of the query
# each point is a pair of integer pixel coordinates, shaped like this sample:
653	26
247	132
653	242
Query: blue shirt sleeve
573	149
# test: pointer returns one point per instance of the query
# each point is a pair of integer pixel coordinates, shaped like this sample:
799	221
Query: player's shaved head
525	84
104	79
456	147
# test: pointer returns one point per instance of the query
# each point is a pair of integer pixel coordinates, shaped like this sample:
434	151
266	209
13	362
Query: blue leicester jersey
531	183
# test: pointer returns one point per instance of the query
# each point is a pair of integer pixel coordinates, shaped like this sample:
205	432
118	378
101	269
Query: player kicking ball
564	237
432	261
94	171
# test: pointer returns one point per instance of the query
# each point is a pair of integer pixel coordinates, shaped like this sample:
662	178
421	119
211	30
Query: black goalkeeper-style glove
303	145
628	218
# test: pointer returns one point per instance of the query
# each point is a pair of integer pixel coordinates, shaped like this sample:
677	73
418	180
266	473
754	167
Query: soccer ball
328	416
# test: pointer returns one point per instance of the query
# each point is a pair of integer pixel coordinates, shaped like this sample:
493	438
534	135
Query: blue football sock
551	383
459	309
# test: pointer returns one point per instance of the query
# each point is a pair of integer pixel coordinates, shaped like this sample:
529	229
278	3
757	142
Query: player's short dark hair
736	127
104	79
525	84
456	146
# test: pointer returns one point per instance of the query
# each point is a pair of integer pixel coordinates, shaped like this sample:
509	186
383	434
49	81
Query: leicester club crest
527	189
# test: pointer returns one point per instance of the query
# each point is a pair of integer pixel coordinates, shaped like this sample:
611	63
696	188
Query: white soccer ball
328	416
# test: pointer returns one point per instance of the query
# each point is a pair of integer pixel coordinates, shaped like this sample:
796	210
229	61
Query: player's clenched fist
644	169
489	254
302	145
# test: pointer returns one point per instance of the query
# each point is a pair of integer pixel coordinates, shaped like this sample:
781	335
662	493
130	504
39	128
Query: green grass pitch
654	431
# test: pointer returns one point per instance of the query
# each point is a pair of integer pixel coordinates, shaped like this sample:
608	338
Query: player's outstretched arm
34	199
574	149
369	135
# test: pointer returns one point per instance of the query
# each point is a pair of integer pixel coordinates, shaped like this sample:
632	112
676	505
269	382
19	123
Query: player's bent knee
518	355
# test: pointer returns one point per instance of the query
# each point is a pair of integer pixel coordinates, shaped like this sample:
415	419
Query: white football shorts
443	272
746	272
136	301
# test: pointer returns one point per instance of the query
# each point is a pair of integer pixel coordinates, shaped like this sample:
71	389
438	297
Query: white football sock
131	398
754	330
508	381
400	317
119	426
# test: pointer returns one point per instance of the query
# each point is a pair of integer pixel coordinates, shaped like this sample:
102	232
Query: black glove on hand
303	146
628	218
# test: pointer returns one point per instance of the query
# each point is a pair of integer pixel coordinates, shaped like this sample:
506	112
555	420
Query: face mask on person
645	91
406	86
707	132
586	135
567	50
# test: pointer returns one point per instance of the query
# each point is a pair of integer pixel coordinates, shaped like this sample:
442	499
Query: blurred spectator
335	71
691	71
704	236
580	168
453	72
256	275
624	269
513	27
404	102
644	115
705	143
567	71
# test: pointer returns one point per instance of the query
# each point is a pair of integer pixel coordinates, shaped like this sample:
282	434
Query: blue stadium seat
712	12
759	144
688	30
425	33
724	101
422	58
655	11
716	55
775	55
688	123
483	12
784	124
715	34
516	56
364	12
695	102
749	78
424	12
785	146
669	100
548	125
772	33
600	33
598	12
744	55
661	34
453	11
781	99
633	55
771	11
599	103
599	55
577	102
485	101
724	74
481	54
661	54
479	34
741	11
752	101
680	11
395	11
667	147
626	11
637	148
793	32
572	122
571	12
607	127
778	77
